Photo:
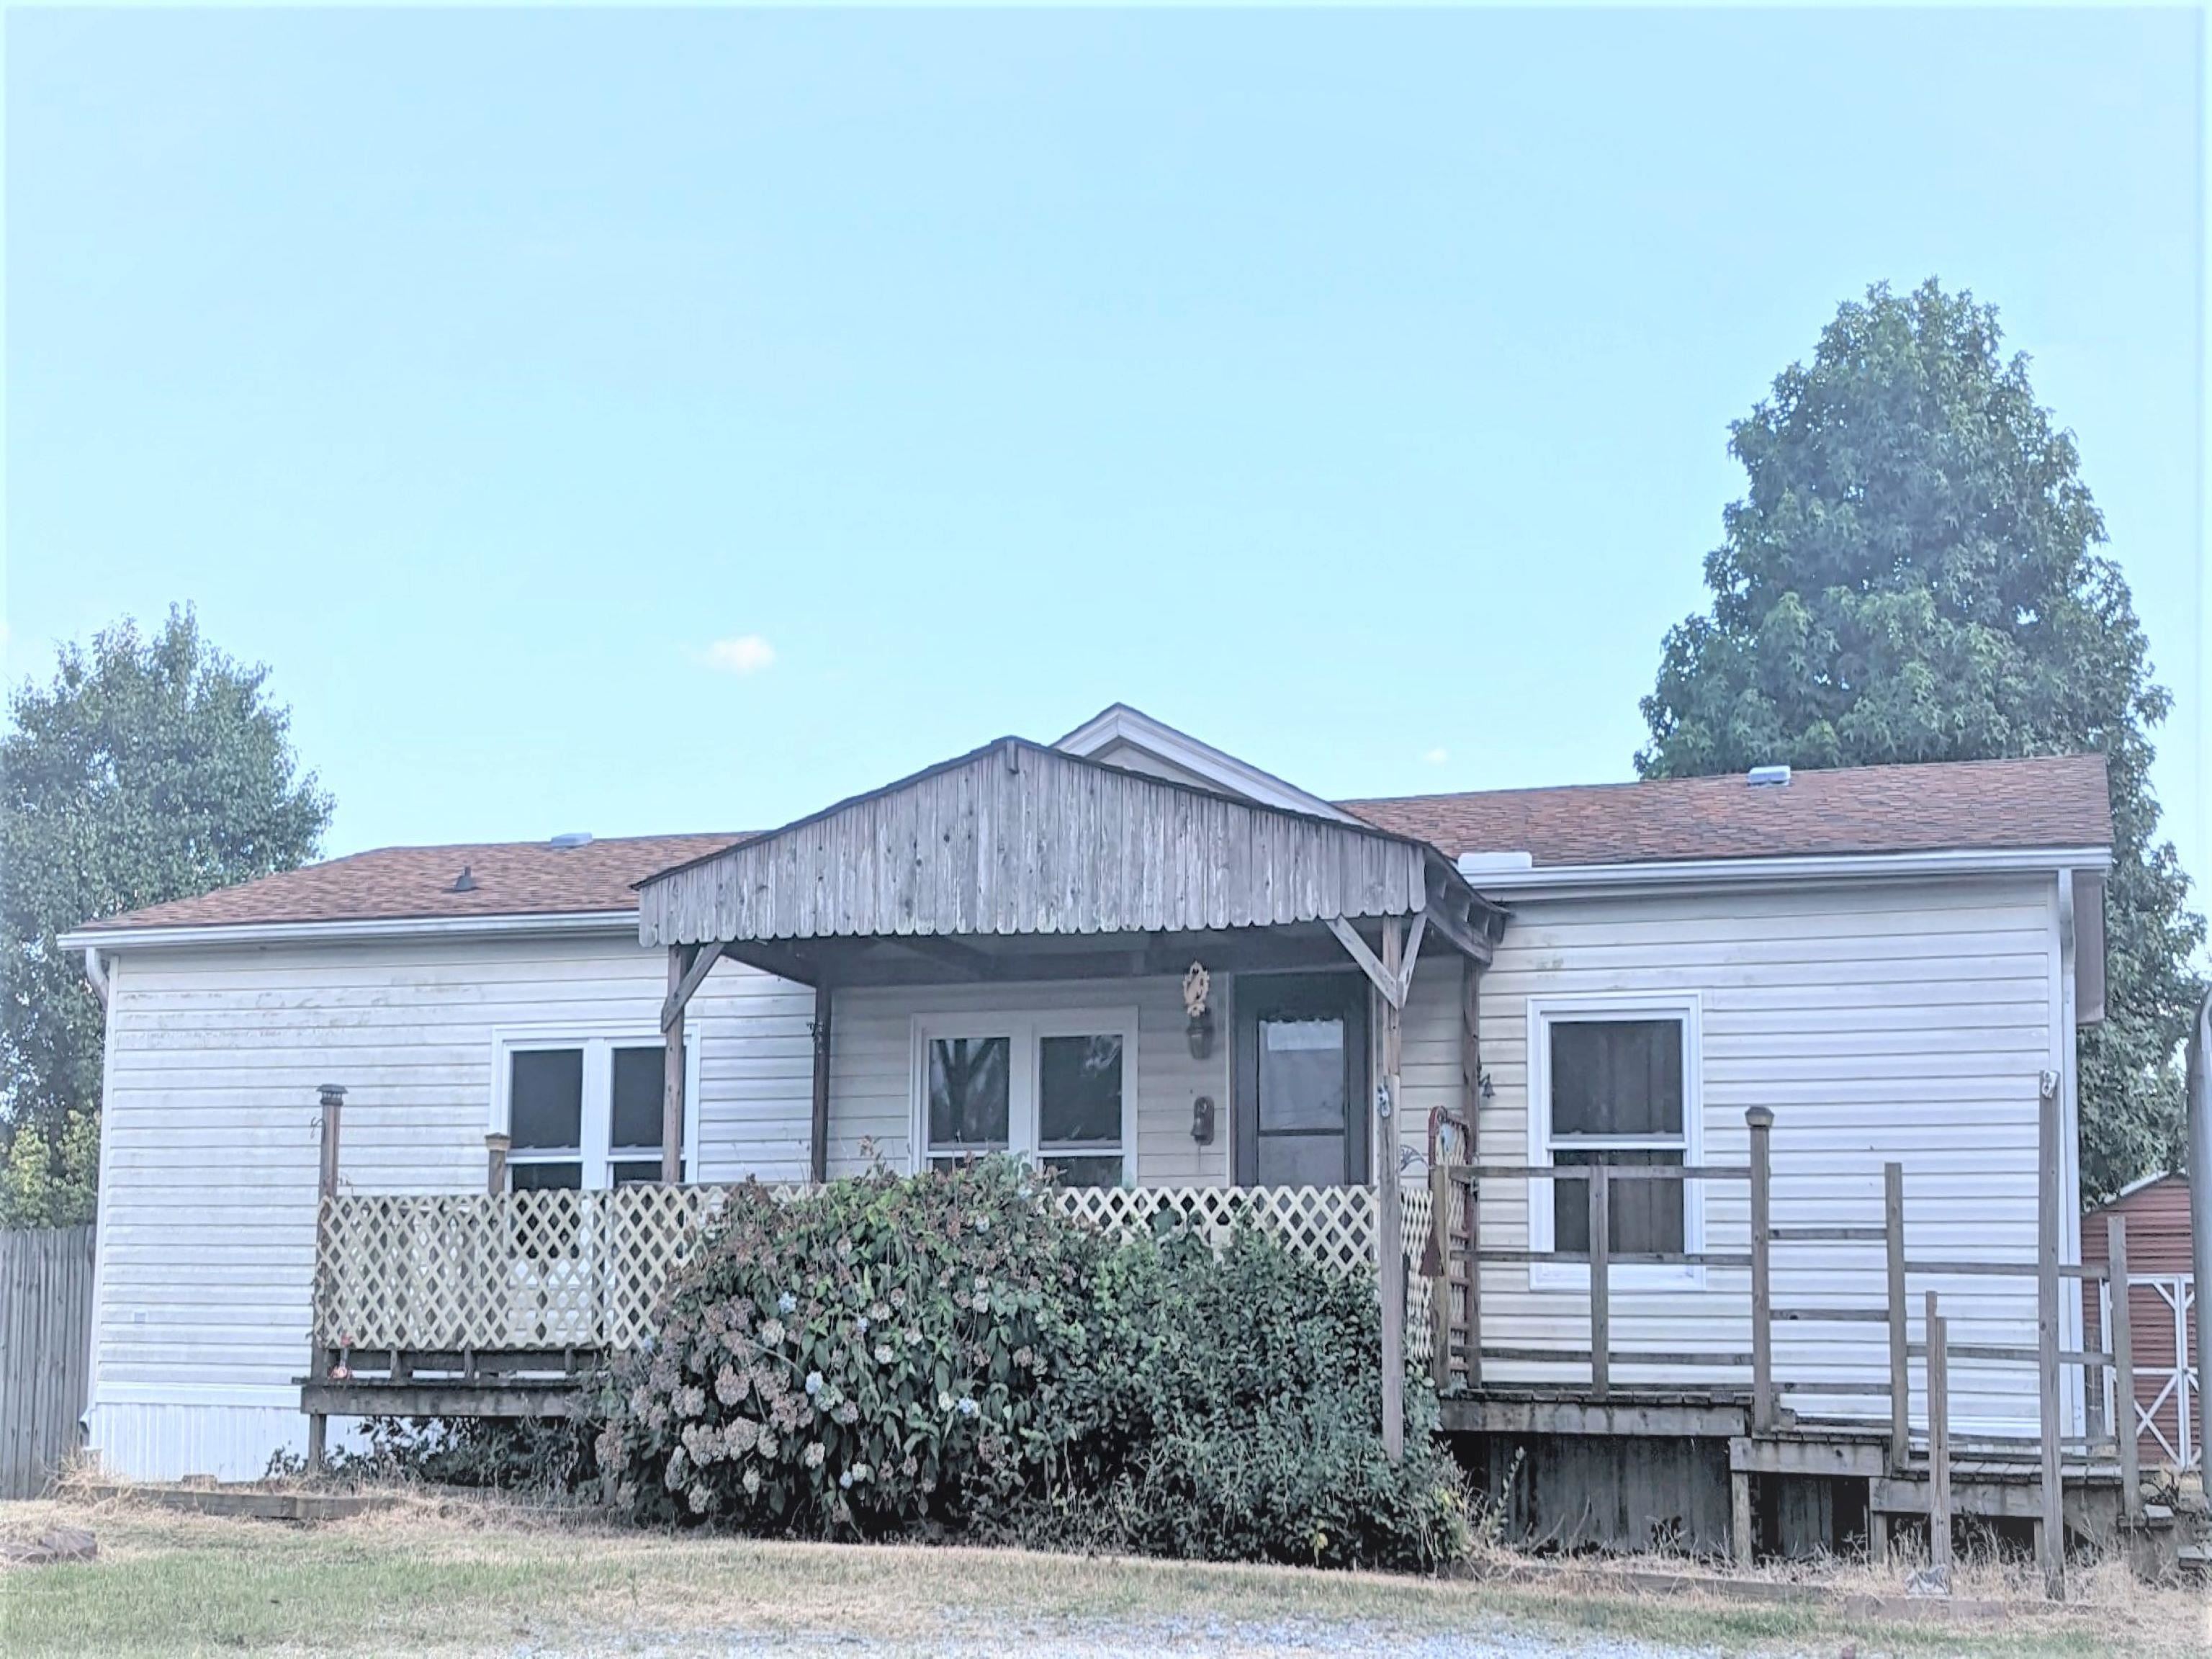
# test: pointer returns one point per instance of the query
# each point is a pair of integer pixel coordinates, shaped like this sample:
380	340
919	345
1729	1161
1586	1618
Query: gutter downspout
96	971
2200	1205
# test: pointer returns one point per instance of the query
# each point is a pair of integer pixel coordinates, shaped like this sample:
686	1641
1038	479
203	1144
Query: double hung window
583	1112
1058	1089
1614	1080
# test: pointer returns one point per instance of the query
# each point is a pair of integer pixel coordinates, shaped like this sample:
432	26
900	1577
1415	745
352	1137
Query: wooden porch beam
782	960
1384	979
703	958
966	959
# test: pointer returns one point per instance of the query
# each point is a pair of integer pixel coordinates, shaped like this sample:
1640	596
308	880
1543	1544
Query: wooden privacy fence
45	1350
557	1270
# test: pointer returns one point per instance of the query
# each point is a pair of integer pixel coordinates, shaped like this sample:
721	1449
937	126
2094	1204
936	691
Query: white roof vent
573	838
1768	777
1476	863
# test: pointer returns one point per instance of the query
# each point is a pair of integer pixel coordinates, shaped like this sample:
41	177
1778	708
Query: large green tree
148	769
1914	574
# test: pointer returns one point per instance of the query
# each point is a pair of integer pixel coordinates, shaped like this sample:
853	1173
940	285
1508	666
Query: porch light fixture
1197	991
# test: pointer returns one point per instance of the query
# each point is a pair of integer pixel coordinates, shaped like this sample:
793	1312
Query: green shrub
946	1353
1227	1409
877	1355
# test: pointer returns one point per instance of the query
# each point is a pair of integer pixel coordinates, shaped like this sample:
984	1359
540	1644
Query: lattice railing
555	1270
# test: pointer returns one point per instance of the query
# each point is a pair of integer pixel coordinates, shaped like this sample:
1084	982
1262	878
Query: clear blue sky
1351	390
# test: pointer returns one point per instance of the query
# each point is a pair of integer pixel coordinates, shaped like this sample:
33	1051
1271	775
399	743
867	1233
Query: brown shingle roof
514	878
2057	800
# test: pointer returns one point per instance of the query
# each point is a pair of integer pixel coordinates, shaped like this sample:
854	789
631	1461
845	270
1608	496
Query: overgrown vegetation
1917	573
942	1355
149	768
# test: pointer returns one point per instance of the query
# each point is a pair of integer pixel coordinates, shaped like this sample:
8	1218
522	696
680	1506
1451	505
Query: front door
1301	1067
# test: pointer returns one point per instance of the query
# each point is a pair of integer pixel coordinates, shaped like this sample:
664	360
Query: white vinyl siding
211	1131
1908	1021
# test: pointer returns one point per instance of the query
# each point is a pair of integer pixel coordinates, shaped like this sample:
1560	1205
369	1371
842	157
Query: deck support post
2050	1535
1740	1516
1939	1445
1389	1220
2119	1337
1877	1532
1442	1320
1601	1279
1470	1094
817	1166
1761	1123
672	1078
1900	1374
331	1099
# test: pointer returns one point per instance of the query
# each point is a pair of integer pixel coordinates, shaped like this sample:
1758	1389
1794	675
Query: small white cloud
746	653
1436	756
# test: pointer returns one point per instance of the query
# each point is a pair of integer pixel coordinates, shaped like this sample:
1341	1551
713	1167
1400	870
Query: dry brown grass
445	1575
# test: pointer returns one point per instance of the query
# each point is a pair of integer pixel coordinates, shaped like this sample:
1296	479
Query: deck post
1390	1220
2119	1337
1761	1123
1939	1444
1470	1088
671	1083
1471	1195
1740	1544
818	1159
1900	1374
496	1147
1441	1312
2051	1533
331	1099
1601	1279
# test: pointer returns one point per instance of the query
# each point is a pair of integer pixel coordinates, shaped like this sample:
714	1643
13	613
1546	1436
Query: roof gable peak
1122	736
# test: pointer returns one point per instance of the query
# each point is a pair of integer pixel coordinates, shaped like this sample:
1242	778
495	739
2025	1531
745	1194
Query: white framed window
1058	1088
581	1107
1616	1078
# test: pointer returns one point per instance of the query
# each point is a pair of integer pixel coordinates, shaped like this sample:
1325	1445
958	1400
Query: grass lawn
455	1577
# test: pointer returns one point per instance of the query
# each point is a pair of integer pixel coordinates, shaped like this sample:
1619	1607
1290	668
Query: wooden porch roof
1016	839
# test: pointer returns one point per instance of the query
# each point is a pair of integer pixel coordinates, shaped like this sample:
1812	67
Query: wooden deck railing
1458	1349
551	1271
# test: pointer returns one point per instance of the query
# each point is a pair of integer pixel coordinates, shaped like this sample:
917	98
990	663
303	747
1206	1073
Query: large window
1057	1089
583	1112
1613	1080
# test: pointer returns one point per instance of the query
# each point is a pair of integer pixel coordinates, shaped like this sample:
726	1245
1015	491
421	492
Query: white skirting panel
135	1441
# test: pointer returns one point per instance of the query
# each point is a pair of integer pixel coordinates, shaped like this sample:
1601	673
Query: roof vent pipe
463	882
572	838
1768	777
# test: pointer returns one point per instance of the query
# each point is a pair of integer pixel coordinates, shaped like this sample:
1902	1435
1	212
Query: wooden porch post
2051	1529
1390	1247
1470	1085
818	1161
672	1085
332	1101
2119	1337
1760	1121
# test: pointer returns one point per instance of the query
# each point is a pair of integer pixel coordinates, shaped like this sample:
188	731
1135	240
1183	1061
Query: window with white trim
1058	1089
584	1112
1614	1080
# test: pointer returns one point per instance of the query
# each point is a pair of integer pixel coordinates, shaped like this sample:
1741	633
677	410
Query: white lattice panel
564	1269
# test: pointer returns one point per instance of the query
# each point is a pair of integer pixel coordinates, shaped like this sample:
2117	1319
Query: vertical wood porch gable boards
1026	842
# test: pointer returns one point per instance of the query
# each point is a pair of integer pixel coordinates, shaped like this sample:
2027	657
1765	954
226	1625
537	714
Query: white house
1893	960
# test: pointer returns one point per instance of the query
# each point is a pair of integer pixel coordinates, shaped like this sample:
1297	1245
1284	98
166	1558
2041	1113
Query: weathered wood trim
679	996
681	960
1017	839
1389	1209
1384	981
2120	1338
349	1399
1477	1414
818	1130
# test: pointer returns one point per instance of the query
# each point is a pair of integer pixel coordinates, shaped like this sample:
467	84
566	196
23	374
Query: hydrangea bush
878	1354
944	1352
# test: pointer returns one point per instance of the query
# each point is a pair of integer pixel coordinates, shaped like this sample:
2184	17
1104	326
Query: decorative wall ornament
1197	993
